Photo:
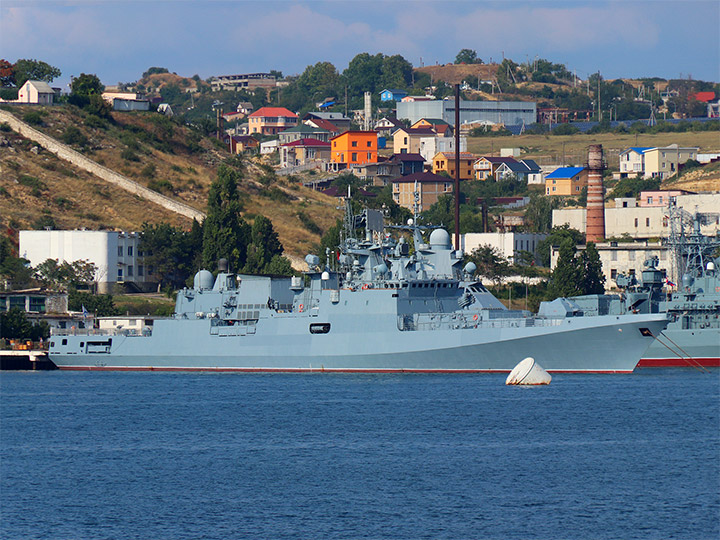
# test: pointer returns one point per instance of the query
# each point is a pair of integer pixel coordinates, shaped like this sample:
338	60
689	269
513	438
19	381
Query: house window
613	273
553	188
334	144
647	221
120	274
141	270
636	222
354	144
130	251
660	199
631	272
353	156
369	156
130	271
120	251
405	140
369	144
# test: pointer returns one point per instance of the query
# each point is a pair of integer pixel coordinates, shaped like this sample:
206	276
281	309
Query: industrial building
509	113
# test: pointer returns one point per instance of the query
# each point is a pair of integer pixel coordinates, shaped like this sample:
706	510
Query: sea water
188	455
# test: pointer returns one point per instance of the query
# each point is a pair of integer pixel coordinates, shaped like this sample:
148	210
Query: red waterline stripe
679	362
321	370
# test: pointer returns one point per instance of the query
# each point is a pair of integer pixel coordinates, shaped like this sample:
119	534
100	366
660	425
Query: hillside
37	189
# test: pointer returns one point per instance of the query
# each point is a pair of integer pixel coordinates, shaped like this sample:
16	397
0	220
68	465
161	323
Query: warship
388	300
692	337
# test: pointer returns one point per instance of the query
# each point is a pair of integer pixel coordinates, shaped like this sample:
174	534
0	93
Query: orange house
445	162
354	147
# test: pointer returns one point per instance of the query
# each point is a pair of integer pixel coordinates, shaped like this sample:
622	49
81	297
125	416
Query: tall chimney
595	226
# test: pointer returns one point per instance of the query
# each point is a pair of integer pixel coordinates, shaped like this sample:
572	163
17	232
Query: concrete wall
68	154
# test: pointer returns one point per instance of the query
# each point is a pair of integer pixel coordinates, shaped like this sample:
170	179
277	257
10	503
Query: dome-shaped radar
440	238
203	280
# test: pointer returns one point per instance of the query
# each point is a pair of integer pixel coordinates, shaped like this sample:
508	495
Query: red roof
273	112
325	124
704	96
308	141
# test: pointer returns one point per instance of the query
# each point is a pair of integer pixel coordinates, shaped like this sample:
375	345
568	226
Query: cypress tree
593	277
225	232
567	278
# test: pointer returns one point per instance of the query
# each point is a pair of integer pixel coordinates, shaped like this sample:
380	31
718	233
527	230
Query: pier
25	360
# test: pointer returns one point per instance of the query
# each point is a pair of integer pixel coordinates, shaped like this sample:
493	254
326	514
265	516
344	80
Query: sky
119	39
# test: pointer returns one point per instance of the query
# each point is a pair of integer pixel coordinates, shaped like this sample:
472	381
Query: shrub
44	222
148	171
34	118
161	186
4	192
129	155
73	135
5	127
95	121
565	129
32	182
308	223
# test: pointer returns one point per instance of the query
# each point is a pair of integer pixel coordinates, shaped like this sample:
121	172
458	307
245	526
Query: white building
654	162
115	254
642	222
431	146
508	244
36	92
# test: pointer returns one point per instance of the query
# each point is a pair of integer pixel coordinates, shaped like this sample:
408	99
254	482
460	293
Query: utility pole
457	167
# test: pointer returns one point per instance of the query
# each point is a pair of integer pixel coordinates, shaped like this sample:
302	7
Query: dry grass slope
149	149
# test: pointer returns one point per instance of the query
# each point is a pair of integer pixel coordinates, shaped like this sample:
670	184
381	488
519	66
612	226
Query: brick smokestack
595	226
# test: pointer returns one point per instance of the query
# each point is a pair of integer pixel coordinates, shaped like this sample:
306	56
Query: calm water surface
174	456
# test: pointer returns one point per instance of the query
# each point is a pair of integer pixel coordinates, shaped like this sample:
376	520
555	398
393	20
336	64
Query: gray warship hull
684	348
592	344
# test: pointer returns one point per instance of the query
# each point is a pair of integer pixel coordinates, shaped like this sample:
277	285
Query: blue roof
394	91
640	149
564	172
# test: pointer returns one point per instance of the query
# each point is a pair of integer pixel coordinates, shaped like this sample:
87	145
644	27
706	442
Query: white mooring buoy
528	372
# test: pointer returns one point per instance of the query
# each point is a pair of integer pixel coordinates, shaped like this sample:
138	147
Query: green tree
593	281
264	246
490	263
65	275
225	232
329	241
34	70
566	279
101	305
556	237
538	213
86	85
16	269
173	253
467	56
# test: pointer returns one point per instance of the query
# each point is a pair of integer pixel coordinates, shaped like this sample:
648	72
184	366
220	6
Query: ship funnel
595	228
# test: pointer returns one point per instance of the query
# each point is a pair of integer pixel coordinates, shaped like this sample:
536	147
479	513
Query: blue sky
119	39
